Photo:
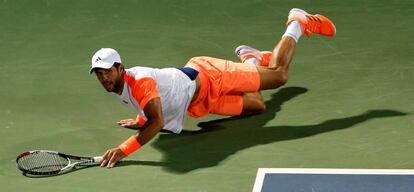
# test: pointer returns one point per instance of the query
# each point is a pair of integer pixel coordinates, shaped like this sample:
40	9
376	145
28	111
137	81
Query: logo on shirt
126	102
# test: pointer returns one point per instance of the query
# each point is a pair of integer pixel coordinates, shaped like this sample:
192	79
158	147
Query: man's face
111	79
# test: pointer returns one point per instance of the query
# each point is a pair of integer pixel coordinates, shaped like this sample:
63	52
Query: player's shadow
218	139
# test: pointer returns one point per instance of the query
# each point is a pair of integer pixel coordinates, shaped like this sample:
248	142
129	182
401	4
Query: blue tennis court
339	180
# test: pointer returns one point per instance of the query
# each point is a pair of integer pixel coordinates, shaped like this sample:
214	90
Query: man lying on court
161	97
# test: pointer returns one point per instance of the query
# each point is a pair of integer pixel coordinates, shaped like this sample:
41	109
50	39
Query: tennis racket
48	163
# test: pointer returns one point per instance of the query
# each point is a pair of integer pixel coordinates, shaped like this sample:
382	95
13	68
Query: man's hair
117	65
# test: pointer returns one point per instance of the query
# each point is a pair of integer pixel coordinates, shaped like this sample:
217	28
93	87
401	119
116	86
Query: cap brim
100	64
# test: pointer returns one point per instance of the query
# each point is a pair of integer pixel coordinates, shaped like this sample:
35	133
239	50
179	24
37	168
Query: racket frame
81	161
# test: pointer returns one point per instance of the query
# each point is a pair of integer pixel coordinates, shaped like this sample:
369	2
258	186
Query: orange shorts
222	86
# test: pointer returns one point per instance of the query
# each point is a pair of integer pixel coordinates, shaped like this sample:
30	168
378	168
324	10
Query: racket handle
91	161
97	159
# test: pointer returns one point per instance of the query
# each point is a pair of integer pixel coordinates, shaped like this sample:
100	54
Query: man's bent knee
282	80
253	107
272	79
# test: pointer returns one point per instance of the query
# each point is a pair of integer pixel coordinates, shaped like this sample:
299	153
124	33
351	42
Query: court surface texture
348	103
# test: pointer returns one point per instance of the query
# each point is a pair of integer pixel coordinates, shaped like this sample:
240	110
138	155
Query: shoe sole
301	11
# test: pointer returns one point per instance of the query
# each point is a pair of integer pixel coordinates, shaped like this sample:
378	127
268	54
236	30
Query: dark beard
117	87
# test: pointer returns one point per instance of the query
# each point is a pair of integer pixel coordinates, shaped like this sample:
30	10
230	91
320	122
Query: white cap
105	58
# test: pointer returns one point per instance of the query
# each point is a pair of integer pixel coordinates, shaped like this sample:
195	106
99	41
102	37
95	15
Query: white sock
293	30
251	60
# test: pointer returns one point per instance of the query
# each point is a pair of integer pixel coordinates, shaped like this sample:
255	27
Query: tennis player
162	97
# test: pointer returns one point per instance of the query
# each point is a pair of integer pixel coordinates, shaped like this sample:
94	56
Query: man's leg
274	73
273	76
253	103
299	22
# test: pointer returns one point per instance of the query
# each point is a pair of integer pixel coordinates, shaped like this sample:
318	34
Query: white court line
261	172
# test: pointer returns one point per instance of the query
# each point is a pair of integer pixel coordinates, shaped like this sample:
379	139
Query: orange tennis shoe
311	24
245	52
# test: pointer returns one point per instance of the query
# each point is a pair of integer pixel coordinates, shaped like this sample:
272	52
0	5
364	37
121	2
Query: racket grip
97	159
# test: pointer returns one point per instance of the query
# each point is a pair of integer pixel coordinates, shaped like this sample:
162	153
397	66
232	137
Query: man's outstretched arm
155	122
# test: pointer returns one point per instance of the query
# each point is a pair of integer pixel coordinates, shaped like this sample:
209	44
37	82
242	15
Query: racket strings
43	162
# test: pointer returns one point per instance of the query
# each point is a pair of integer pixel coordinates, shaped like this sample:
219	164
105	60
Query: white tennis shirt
172	86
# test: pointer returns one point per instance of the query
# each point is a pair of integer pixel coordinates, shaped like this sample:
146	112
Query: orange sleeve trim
144	90
146	100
